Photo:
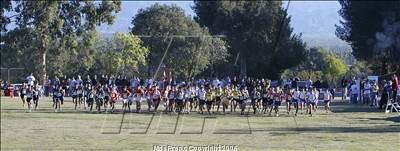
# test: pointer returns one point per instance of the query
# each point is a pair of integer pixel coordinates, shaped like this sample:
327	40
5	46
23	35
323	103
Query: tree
334	69
16	51
320	64
359	69
372	28
257	32
176	41
61	22
123	53
5	5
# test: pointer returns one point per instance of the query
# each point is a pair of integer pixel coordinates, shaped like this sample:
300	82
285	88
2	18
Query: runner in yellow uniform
209	99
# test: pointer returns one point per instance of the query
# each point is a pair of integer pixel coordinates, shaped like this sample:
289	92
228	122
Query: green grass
349	127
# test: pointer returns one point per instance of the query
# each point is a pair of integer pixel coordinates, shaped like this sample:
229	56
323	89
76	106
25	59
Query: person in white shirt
302	97
354	93
367	93
202	99
311	100
296	100
188	98
327	99
31	80
156	97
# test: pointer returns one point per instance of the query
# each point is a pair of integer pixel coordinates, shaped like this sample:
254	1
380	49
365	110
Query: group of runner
203	96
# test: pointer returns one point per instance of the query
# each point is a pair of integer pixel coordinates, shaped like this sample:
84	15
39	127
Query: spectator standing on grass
354	93
385	93
374	94
344	84
309	83
395	87
367	92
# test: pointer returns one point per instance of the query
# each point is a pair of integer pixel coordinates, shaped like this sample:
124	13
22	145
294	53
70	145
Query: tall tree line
52	27
253	35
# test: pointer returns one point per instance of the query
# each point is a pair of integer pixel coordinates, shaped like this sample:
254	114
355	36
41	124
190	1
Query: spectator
354	93
395	87
344	84
385	94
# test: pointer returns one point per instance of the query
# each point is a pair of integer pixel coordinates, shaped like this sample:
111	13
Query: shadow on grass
285	131
343	107
395	119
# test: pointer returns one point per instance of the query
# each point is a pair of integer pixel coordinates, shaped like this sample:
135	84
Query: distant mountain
316	21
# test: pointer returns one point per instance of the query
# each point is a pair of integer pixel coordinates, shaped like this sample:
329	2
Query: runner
107	92
218	94
113	98
311	100
156	98
148	95
164	97
202	99
74	95
29	96
90	98
179	100
296	100
288	97
58	97
303	97
55	95
226	98
139	95
36	91
124	99
278	97
171	99
265	99
243	99
99	98
31	80
327	99
209	99
235	95
79	91
188	99
23	93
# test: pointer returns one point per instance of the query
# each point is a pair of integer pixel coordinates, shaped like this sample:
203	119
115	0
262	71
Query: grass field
349	127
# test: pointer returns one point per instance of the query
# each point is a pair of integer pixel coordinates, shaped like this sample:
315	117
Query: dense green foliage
257	32
189	49
124	53
56	27
319	65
